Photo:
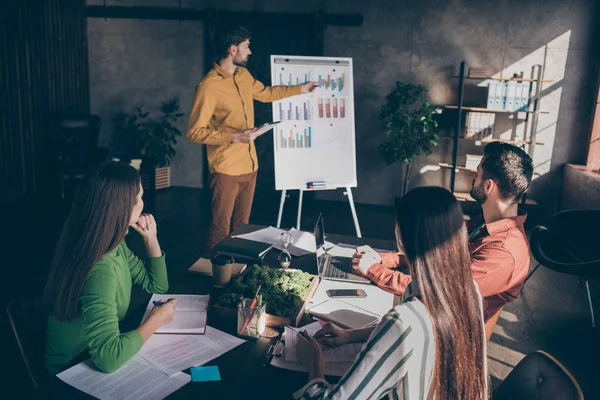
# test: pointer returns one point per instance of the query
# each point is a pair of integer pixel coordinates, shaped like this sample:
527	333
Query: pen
160	302
268	355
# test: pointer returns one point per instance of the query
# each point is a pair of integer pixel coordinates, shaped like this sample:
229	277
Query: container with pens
252	316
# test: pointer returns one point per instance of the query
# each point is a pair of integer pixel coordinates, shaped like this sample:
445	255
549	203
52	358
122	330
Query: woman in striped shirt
432	345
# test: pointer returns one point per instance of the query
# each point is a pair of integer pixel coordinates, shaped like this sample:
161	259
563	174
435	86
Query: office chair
566	246
539	376
27	318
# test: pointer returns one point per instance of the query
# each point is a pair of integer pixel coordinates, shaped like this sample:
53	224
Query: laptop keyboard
330	271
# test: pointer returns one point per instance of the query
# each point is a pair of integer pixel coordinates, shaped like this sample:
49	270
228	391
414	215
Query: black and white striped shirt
398	359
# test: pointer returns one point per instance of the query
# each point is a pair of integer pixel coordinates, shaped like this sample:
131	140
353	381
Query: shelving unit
531	118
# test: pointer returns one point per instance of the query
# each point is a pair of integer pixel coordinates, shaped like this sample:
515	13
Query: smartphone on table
346	293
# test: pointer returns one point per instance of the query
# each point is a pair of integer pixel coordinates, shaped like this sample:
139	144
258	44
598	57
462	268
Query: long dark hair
434	237
97	223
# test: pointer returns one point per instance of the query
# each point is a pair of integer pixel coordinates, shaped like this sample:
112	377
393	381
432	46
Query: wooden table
242	374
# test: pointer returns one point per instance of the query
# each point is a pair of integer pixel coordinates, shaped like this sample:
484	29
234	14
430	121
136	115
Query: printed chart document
136	379
344	353
190	315
174	353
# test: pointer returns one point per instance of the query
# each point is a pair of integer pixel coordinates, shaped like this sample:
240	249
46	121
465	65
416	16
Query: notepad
242	248
190	314
205	374
345	314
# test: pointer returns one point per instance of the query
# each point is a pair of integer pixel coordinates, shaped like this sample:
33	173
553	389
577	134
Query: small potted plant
150	138
410	128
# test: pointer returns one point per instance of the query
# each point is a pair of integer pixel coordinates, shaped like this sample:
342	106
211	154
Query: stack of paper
136	379
335	362
190	314
344	353
174	353
303	243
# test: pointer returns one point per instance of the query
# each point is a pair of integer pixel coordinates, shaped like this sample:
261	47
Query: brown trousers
231	203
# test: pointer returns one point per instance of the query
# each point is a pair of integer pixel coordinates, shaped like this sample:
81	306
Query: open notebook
352	312
344	314
190	314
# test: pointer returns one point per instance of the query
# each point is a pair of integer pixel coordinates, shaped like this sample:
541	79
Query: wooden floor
551	314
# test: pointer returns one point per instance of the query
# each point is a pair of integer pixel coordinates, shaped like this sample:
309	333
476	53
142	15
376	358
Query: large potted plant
140	135
410	128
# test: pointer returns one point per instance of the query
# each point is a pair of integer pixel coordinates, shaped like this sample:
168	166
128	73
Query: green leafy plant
140	135
282	290
410	127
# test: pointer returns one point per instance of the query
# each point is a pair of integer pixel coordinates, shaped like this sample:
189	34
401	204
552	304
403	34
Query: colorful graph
330	81
331	108
295	138
297	112
290	77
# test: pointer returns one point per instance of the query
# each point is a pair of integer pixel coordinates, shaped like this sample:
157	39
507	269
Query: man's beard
478	193
241	63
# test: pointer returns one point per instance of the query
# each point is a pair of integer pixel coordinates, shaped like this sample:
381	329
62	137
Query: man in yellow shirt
222	118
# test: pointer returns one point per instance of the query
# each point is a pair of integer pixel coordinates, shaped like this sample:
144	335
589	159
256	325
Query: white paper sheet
344	353
174	353
190	315
303	243
136	379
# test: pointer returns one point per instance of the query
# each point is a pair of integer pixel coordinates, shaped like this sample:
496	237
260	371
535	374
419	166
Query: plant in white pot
150	138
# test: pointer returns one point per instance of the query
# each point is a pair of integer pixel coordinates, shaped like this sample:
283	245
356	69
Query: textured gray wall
423	42
143	61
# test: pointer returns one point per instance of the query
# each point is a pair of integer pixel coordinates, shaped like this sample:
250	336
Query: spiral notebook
345	314
351	312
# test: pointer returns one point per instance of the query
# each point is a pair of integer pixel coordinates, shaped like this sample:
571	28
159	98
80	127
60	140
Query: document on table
190	315
136	379
303	243
174	353
344	353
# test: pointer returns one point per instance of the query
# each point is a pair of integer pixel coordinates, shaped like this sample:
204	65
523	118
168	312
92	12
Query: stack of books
473	161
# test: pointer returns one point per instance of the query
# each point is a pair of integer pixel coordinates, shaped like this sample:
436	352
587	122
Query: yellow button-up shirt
224	105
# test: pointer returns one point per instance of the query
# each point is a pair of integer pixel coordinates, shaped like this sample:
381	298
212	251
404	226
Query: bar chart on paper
291	76
333	79
294	111
295	138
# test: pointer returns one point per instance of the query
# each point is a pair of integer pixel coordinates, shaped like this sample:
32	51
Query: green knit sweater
104	302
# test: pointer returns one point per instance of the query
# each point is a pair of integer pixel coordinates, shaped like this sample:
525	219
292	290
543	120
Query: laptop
329	267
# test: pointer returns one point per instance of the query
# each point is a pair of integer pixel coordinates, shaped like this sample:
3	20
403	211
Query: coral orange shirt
500	263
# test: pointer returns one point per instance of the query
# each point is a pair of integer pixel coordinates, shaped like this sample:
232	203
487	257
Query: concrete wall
423	42
147	62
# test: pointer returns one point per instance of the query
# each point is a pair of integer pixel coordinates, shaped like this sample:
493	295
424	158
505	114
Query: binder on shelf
511	91
498	96
491	97
524	98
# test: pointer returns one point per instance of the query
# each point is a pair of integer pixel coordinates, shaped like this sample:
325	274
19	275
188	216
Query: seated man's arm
388	279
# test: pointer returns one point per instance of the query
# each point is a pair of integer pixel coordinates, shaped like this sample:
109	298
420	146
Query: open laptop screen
319	232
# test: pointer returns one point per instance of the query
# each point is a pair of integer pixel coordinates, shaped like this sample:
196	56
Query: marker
160	302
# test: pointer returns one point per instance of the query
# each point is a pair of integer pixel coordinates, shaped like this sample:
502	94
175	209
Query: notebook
204	267
242	248
190	314
344	314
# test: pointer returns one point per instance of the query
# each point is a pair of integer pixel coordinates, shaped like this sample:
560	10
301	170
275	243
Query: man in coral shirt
497	240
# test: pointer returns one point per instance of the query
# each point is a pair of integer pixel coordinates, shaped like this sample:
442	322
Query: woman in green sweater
89	286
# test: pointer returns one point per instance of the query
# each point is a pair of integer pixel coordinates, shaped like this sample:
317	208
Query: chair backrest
551	251
539	376
572	228
27	318
76	133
